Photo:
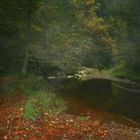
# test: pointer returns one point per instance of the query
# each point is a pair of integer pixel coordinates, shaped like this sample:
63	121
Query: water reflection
102	95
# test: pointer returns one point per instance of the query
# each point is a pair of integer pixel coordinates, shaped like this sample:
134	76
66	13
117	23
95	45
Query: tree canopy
69	34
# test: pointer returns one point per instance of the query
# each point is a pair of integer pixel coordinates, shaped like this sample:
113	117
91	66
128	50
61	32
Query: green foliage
11	83
43	102
30	111
124	27
68	34
31	83
83	118
123	71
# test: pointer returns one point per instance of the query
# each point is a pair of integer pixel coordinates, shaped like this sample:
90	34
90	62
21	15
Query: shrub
28	84
30	112
43	102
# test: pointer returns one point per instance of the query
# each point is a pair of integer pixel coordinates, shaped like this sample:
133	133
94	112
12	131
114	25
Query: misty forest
69	69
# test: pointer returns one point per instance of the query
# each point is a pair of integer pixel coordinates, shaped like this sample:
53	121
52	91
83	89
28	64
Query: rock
70	76
77	76
51	77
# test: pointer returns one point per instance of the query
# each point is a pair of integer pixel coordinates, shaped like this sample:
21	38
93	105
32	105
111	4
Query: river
102	99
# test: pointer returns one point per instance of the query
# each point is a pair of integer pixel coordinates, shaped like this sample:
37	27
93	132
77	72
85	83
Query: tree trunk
25	62
29	22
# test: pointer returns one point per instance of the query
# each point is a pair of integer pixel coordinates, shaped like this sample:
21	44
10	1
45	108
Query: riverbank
92	73
65	126
26	114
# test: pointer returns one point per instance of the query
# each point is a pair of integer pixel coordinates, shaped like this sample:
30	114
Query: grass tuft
41	103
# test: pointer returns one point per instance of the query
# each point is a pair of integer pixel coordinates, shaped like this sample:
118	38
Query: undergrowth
123	73
39	100
43	102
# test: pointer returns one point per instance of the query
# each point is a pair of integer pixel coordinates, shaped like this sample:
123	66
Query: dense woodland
69	69
38	36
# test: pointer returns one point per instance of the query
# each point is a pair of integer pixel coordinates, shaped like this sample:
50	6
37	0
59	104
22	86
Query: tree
15	28
97	29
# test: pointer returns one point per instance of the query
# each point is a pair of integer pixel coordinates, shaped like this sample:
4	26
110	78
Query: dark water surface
101	98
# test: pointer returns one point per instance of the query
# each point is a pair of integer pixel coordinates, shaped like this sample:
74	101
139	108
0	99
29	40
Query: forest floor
66	126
